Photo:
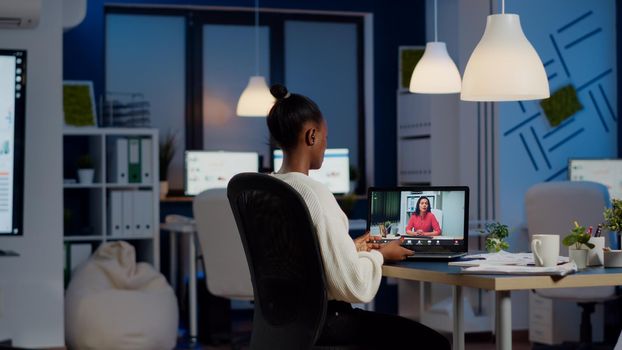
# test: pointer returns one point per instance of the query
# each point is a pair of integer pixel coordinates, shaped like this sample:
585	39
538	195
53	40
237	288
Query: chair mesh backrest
284	261
224	260
552	207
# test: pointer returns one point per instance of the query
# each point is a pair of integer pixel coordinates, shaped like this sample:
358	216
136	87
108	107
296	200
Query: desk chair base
587	309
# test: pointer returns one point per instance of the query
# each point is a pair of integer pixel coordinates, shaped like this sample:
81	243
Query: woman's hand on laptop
366	242
393	251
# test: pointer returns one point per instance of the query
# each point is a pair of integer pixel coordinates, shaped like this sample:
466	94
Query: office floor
241	323
472	342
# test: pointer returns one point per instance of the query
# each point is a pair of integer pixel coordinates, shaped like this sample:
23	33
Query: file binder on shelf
120	163
127	218
143	212
115	208
133	157
146	161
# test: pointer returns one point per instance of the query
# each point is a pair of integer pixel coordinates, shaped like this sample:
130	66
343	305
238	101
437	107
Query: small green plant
613	216
85	161
578	237
496	233
387	226
167	152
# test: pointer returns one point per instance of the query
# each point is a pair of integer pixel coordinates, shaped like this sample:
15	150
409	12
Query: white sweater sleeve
351	276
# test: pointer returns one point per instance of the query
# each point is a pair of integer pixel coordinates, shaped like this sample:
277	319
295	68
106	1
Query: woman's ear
310	136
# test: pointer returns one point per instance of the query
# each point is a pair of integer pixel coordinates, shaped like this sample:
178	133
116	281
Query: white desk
184	228
440	272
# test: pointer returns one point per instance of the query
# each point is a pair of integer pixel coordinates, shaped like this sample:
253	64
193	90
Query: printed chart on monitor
335	170
208	169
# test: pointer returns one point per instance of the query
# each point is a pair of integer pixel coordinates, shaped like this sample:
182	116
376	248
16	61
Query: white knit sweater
351	276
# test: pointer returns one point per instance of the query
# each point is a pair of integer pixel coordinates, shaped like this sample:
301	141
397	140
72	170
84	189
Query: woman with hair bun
353	268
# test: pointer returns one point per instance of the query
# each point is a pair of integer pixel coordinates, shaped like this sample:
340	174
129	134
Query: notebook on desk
432	220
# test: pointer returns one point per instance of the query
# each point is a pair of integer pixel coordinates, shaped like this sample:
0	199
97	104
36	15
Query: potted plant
166	154
578	245
496	233
86	173
613	216
388	225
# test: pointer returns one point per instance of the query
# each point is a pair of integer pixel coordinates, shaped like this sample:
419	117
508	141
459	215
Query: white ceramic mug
545	250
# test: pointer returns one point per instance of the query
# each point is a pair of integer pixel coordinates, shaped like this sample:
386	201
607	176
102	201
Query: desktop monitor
335	170
214	169
12	121
606	171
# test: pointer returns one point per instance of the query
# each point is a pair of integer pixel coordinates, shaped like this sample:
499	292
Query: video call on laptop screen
441	225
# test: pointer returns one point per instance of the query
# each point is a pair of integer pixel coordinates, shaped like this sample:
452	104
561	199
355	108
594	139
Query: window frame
196	18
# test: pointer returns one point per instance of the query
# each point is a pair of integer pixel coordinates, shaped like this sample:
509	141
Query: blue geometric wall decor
576	42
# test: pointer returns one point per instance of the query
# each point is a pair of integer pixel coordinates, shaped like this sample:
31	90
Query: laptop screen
431	219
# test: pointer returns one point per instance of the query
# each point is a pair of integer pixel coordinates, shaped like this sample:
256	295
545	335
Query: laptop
438	230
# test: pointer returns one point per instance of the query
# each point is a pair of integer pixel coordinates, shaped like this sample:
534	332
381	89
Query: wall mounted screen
12	116
605	171
335	170
209	169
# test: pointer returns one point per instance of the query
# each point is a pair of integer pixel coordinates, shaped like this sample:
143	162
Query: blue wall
577	47
396	22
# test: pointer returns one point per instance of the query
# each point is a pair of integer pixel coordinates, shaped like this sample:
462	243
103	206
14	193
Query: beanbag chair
112	302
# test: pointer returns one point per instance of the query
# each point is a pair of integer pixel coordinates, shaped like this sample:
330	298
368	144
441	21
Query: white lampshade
256	99
436	72
504	66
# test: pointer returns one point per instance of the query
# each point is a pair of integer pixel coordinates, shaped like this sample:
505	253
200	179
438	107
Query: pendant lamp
504	66
256	99
436	72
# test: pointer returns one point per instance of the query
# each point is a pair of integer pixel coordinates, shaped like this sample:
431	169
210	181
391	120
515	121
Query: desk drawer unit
554	321
540	319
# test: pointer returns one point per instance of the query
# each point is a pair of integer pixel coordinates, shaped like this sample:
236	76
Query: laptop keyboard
436	255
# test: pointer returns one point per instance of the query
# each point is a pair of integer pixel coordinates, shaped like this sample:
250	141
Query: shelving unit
413	139
88	207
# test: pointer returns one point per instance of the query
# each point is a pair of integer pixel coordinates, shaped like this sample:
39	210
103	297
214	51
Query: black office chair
284	261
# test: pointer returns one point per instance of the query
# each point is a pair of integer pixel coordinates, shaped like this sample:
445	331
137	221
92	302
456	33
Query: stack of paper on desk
559	270
512	264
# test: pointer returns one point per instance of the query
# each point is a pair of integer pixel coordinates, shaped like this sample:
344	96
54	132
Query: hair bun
279	91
